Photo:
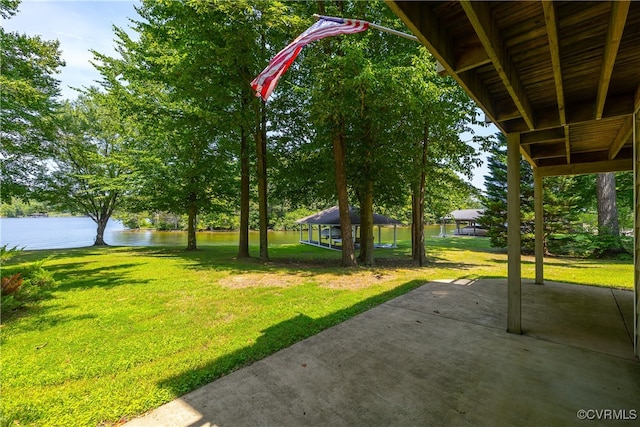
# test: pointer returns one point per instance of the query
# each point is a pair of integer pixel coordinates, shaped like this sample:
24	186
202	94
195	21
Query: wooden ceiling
563	74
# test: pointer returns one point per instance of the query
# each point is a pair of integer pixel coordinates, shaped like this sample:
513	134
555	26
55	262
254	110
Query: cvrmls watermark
607	414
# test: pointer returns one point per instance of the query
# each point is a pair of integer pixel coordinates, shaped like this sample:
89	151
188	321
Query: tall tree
329	117
431	114
89	171
28	103
358	96
184	127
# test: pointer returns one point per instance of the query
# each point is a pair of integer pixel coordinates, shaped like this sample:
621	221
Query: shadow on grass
304	263
547	262
68	276
71	278
75	272
273	339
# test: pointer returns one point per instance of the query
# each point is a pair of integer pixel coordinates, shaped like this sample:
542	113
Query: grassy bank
128	329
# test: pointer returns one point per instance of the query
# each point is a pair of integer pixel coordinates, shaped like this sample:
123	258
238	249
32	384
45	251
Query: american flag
324	27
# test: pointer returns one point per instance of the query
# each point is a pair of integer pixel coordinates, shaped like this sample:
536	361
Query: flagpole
372	25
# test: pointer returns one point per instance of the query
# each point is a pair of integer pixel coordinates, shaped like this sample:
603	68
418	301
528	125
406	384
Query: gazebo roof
466	214
331	216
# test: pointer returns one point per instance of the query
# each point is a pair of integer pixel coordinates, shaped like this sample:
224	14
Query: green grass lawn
128	329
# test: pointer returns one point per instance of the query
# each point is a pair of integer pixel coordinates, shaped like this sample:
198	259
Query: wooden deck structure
560	79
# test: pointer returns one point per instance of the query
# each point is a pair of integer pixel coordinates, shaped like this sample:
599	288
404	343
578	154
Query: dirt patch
354	280
262	280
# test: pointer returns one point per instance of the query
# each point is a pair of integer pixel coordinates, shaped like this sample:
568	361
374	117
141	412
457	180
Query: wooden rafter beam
548	151
433	34
617	20
582	168
479	14
582	112
538	136
469	54
554	48
526	153
621	138
567	144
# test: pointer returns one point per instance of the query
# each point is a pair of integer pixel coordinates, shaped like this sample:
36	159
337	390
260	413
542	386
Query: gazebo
469	217
561	80
323	228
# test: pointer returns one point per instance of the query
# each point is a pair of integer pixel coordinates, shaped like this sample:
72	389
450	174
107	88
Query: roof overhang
563	74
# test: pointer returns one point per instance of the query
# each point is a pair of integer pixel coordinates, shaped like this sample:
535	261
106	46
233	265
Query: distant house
323	228
467	222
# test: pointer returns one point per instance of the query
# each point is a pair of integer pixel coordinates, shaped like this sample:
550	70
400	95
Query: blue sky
79	26
87	24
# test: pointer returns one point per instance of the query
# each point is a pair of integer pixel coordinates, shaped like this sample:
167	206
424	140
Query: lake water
75	232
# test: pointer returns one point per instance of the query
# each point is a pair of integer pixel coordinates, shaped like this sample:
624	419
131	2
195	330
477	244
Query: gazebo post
395	228
379	235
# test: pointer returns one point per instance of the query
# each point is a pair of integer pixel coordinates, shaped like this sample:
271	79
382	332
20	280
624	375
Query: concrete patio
440	355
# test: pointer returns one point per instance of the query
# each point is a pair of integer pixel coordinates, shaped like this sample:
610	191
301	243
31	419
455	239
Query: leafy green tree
170	81
28	102
355	91
90	170
186	80
436	112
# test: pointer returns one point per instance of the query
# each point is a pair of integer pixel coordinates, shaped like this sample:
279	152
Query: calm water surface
74	232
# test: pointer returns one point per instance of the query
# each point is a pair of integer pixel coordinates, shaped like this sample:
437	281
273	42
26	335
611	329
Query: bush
8	253
11	284
590	245
23	284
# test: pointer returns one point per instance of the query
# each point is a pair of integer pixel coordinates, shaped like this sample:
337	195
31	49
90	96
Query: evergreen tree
560	201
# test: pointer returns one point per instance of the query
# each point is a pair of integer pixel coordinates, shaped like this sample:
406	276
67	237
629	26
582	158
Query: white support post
395	228
514	276
538	199
636	244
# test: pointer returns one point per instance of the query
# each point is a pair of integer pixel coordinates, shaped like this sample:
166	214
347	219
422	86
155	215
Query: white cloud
79	26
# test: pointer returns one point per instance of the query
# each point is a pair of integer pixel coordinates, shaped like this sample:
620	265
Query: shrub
8	253
590	245
11	284
24	284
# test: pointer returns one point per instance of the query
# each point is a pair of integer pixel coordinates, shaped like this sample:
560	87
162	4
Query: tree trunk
192	211
366	226
348	255
243	243
607	208
417	206
608	214
102	225
261	151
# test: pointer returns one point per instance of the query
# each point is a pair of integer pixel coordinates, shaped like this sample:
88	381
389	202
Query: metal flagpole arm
372	25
